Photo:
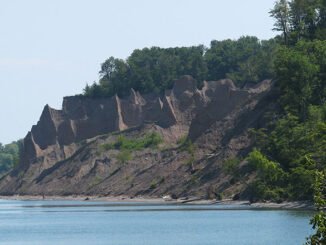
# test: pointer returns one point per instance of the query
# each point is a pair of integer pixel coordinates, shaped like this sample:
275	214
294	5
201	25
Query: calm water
77	222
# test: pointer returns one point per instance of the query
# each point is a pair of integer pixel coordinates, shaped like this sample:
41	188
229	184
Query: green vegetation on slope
296	149
127	145
293	146
319	220
9	156
122	143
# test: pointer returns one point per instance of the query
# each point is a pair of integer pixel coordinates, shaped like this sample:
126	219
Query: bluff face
63	153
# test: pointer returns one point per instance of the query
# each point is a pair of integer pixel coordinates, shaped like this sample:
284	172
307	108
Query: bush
151	140
301	183
260	191
230	166
267	170
124	156
107	146
271	181
188	146
182	140
318	222
153	184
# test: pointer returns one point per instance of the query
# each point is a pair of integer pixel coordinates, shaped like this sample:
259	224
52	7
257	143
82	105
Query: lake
84	222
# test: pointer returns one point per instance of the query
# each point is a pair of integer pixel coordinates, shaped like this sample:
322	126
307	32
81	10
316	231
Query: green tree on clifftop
9	156
246	60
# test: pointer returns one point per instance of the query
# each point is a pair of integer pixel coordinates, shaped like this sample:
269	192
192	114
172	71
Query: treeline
244	60
300	20
155	69
9	156
293	147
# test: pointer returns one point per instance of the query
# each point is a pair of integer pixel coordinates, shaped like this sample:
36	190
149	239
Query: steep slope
66	153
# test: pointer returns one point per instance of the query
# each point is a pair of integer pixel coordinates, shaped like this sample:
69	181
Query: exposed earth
67	152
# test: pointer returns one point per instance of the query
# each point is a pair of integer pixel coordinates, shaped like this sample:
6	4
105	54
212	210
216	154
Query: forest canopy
9	156
246	60
155	69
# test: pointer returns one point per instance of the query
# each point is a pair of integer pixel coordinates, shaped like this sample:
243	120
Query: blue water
80	222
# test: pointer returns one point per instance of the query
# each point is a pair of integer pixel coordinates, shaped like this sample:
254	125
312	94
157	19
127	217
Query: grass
150	140
187	145
124	156
182	140
127	145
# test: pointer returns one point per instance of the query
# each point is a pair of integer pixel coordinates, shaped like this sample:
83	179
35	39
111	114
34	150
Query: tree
244	60
300	14
319	220
9	156
321	30
149	70
108	68
300	20
300	73
281	13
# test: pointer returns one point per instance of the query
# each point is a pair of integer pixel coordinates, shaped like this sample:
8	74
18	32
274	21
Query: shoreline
295	205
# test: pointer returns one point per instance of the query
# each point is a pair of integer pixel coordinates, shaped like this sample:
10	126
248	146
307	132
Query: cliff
63	153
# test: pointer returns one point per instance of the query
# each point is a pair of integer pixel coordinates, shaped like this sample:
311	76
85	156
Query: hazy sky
50	49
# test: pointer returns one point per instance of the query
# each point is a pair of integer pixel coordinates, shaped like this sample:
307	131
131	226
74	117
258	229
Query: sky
51	49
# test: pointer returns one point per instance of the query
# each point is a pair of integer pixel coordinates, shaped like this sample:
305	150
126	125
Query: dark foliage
246	60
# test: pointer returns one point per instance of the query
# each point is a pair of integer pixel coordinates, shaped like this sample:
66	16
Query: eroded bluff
63	154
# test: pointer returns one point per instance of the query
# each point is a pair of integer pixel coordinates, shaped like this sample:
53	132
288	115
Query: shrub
124	156
153	184
182	140
230	166
267	170
318	222
107	146
122	143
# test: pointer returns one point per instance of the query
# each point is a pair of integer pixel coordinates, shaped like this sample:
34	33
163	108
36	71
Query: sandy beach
299	205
